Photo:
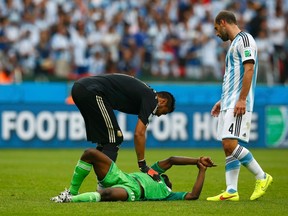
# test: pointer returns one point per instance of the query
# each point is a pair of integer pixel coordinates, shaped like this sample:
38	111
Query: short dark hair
170	99
228	16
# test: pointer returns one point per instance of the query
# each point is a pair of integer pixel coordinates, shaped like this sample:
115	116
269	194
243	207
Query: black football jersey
124	93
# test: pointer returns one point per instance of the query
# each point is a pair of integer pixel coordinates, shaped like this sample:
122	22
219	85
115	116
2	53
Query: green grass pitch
29	177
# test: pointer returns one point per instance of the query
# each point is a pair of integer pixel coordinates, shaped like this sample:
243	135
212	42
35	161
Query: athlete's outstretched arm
202	164
197	188
179	160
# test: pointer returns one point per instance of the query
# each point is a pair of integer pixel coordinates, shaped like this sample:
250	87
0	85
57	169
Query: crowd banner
34	115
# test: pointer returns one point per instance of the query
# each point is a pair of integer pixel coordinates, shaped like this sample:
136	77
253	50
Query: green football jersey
157	190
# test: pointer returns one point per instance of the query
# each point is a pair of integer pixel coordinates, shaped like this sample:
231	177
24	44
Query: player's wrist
141	162
201	159
142	165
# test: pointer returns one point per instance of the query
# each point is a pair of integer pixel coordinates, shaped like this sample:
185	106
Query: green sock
81	170
87	197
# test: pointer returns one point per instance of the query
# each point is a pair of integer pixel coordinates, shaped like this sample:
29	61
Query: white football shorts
237	127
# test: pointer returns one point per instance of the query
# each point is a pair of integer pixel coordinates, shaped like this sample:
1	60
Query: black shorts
100	121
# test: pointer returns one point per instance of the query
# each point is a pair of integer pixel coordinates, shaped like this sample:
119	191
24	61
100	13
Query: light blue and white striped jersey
242	48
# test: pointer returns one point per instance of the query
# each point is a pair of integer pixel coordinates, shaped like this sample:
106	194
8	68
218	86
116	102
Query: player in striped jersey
234	109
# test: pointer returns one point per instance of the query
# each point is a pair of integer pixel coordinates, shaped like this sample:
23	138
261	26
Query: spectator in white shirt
61	51
96	61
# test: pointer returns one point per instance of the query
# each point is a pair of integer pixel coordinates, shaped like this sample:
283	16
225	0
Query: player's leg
107	194
107	133
232	169
84	101
100	121
90	158
263	180
234	129
81	170
229	143
241	131
232	166
247	159
100	162
114	194
85	197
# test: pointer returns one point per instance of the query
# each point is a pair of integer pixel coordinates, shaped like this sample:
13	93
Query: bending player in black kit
98	96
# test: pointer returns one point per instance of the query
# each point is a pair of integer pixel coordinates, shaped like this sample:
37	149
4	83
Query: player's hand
216	109
155	175
206	161
201	166
240	108
146	169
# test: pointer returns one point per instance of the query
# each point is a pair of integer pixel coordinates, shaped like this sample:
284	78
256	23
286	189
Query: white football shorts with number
237	127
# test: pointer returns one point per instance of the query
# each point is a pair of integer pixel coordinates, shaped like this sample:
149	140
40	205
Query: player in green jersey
138	186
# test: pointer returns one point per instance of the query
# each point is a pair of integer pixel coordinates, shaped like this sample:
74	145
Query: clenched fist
206	161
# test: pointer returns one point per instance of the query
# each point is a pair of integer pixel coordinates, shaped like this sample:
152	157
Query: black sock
111	150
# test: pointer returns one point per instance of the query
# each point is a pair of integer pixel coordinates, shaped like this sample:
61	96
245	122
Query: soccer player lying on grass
138	186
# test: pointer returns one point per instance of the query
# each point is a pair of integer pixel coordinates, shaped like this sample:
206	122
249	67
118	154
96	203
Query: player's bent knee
88	154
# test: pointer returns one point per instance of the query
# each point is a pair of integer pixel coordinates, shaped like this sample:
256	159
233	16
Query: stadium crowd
162	39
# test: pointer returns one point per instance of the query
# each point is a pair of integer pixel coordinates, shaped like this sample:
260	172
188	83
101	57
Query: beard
224	36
